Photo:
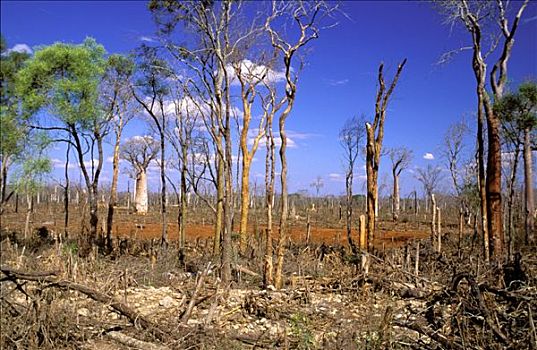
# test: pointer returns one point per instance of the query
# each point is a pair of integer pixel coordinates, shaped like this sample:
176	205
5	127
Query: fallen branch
481	303
437	337
133	342
243	269
186	314
49	277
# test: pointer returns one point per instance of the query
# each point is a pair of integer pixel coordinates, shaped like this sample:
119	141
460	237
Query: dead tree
475	16
430	178
401	158
306	16
116	96
350	138
375	136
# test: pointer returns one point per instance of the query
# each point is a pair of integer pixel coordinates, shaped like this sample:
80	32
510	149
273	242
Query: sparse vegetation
87	265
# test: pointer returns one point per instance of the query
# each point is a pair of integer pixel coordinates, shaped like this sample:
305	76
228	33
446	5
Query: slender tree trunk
3	183
371	186
113	192
29	210
433	221
284	207
219	205
183	197
227	249
245	199
481	174
528	182
163	204
396	197
66	193
270	173
348	216
493	183
510	200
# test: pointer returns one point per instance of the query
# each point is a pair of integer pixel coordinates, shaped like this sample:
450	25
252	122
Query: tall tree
306	16
519	121
476	16
401	158
375	136
430	179
151	91
62	80
12	130
207	56
350	138
117	102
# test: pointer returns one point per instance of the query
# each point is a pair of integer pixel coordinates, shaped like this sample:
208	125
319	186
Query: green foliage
32	174
300	328
63	79
518	111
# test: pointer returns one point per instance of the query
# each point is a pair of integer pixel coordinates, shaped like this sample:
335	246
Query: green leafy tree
59	90
518	114
12	130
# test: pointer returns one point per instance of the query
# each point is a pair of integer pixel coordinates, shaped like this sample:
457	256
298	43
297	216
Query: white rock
166	302
83	312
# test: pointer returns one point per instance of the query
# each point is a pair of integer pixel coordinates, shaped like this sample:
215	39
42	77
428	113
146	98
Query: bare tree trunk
396	198
510	200
439	229
493	184
278	281
29	210
113	192
433	221
371	186
141	200
183	205
270	173
363	238
3	184
348	212
163	204
528	184
219	205
66	193
245	198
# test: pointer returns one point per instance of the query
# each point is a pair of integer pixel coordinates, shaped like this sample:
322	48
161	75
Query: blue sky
339	80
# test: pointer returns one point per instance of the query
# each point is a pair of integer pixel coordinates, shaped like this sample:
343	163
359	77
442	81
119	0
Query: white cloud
428	156
60	164
277	142
254	73
147	39
531	19
338	82
336	177
22	48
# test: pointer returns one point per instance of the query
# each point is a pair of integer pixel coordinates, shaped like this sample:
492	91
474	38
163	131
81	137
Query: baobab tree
401	158
350	138
375	136
140	151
